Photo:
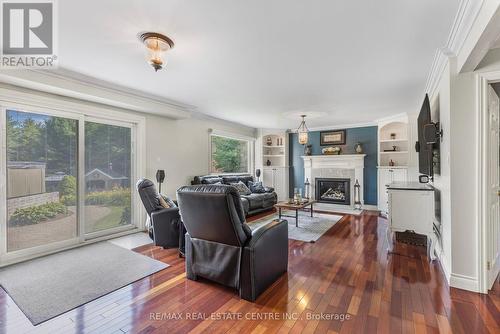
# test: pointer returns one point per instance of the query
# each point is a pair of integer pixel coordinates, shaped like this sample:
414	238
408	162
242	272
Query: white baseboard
464	282
443	261
370	207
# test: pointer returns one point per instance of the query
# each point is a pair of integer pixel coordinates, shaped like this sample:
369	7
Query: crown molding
396	117
467	13
401	117
205	117
76	85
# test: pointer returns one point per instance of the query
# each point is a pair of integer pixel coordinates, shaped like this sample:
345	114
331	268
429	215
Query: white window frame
133	176
250	151
25	100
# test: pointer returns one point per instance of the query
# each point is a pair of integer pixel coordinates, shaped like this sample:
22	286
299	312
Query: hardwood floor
346	273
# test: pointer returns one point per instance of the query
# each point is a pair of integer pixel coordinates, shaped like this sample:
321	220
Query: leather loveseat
252	203
221	247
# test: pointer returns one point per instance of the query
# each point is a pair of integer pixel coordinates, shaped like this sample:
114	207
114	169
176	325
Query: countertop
410	186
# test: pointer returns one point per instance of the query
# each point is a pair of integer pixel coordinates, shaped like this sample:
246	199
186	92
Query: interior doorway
491	239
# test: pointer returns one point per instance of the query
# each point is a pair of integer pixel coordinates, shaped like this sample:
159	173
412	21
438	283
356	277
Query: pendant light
303	131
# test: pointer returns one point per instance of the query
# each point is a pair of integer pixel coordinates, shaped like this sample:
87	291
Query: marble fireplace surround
349	166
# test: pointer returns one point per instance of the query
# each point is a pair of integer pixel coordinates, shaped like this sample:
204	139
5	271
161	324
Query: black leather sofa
253	203
222	248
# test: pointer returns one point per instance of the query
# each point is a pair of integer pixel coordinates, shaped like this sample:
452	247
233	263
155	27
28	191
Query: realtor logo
28	34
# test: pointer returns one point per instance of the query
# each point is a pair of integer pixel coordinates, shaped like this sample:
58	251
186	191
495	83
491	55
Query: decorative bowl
331	150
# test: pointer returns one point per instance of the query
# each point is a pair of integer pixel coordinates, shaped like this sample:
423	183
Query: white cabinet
387	175
268	177
276	177
411	207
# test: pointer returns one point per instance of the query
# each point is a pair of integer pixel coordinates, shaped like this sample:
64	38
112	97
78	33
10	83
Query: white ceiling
258	62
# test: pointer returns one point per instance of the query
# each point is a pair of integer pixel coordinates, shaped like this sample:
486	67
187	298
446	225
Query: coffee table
294	207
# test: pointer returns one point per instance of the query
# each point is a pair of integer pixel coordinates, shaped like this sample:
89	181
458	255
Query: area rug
309	230
46	287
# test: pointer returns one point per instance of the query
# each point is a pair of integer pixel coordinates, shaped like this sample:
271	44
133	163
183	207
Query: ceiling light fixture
156	45
303	131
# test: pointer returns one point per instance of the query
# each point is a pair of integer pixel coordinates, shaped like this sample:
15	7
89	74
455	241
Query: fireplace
333	190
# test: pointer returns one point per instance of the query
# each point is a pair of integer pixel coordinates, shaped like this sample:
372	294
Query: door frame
23	99
483	79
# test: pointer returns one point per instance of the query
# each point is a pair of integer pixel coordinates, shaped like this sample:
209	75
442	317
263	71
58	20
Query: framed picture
336	137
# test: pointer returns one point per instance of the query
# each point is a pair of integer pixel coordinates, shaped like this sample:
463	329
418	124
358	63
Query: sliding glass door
108	173
42	171
68	178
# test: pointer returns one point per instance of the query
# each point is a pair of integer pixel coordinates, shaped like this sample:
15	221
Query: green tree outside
229	155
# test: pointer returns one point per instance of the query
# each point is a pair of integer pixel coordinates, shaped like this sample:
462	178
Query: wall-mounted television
423	148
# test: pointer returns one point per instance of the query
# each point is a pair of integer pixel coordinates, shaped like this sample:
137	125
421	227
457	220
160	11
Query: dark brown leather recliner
167	229
221	247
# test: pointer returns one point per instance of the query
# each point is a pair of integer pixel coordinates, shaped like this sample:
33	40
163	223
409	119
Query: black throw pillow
256	187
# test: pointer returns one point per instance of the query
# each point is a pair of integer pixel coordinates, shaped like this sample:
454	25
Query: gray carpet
310	229
51	285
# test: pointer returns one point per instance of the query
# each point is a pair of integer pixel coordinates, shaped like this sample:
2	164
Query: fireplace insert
333	190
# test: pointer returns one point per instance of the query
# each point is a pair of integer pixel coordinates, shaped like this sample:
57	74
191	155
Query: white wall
463	162
491	62
440	112
453	104
454	99
180	147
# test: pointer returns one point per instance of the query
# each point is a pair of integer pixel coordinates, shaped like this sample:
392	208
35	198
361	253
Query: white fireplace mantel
353	162
349	161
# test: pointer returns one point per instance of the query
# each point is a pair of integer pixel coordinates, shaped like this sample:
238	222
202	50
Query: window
68	178
42	169
229	155
42	178
107	176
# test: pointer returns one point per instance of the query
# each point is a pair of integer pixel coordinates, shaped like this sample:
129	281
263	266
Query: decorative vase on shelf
391	163
268	162
358	148
269	141
393	136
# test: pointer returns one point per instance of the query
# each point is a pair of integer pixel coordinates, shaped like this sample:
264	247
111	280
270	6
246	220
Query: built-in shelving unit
393	144
272	159
394	152
274	155
393	140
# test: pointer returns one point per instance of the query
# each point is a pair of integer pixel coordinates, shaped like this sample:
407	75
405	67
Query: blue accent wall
367	136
